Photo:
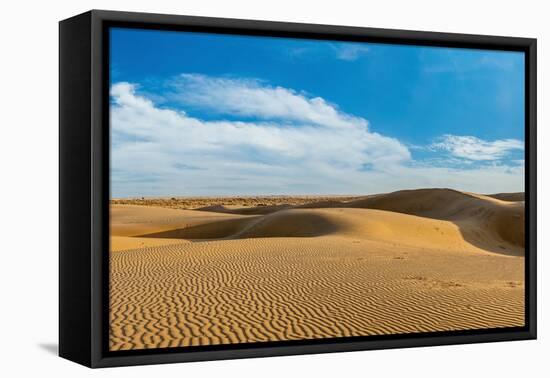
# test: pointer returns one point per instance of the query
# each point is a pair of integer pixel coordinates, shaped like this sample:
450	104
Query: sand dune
484	221
481	221
355	223
409	261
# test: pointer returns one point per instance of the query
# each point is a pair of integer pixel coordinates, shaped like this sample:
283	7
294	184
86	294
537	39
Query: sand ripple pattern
272	289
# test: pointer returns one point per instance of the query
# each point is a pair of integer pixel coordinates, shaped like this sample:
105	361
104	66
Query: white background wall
29	185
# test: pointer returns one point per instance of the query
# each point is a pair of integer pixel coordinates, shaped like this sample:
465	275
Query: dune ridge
482	221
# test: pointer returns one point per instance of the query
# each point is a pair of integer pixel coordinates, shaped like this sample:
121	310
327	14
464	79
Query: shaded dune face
217	229
290	223
484	222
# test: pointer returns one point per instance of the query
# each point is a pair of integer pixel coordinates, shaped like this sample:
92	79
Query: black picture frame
84	186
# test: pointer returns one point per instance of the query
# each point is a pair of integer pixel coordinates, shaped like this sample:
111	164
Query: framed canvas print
234	188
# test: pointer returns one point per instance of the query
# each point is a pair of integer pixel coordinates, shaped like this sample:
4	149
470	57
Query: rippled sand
378	265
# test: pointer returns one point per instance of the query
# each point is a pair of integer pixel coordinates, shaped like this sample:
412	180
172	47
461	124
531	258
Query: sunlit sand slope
294	288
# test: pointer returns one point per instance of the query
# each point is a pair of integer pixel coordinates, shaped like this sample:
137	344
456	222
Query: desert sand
223	270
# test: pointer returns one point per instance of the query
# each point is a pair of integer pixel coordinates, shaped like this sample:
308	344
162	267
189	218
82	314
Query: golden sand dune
480	221
376	265
484	221
355	223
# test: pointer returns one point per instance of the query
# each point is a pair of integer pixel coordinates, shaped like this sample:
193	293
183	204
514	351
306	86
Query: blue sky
206	114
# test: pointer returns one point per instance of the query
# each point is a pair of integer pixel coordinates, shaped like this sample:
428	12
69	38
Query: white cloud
472	148
346	51
251	98
188	154
350	52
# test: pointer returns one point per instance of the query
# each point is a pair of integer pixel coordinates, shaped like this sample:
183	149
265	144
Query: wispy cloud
349	51
252	98
346	51
472	148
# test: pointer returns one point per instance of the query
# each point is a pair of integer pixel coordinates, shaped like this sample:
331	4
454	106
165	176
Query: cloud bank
264	139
